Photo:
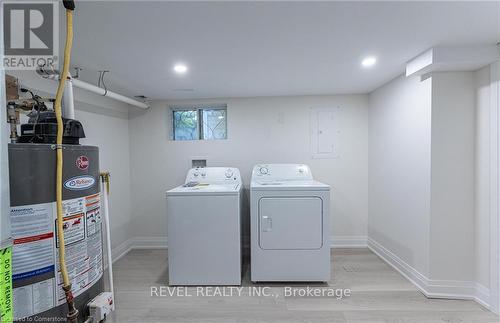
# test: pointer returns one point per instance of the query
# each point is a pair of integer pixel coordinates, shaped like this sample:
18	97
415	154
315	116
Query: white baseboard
449	289
149	243
121	250
482	295
138	243
161	243
419	280
348	242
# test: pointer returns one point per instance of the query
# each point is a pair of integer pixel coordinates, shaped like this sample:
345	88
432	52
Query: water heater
36	278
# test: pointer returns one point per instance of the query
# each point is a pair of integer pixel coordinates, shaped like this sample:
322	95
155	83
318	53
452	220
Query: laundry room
250	161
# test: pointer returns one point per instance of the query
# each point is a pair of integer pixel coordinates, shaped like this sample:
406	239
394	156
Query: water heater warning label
83	251
33	240
74	229
36	277
33	258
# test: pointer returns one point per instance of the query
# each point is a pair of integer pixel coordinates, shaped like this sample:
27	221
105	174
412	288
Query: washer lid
312	185
206	189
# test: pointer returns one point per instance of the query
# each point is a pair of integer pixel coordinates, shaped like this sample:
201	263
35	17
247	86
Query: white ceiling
236	49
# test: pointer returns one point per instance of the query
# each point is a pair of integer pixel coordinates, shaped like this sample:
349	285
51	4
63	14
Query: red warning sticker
82	162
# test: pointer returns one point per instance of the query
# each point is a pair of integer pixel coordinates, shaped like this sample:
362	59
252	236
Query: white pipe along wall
94	89
109	252
68	103
110	94
4	166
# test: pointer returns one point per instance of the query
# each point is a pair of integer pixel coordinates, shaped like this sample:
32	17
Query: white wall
105	123
452	176
260	130
494	295
111	135
429	181
487	245
482	180
399	169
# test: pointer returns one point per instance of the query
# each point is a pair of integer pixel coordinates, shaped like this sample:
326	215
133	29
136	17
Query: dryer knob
229	173
196	174
263	170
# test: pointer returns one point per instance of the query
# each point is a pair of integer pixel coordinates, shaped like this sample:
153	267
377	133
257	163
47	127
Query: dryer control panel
282	172
214	175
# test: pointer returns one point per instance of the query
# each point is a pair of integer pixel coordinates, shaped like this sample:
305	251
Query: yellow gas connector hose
73	313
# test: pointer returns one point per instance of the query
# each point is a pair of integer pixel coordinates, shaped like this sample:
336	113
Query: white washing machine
203	218
290	224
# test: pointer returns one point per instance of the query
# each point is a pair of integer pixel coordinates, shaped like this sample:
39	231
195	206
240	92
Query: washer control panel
214	175
282	172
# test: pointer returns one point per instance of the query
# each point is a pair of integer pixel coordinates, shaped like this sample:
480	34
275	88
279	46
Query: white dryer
290	224
204	228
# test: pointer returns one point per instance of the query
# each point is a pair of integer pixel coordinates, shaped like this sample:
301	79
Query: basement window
199	123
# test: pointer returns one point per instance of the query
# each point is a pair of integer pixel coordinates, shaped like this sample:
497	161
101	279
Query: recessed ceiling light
369	61
180	68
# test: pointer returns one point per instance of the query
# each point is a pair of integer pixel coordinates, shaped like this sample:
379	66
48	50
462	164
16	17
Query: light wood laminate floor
378	294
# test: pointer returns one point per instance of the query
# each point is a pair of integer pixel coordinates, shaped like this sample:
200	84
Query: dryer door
290	223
